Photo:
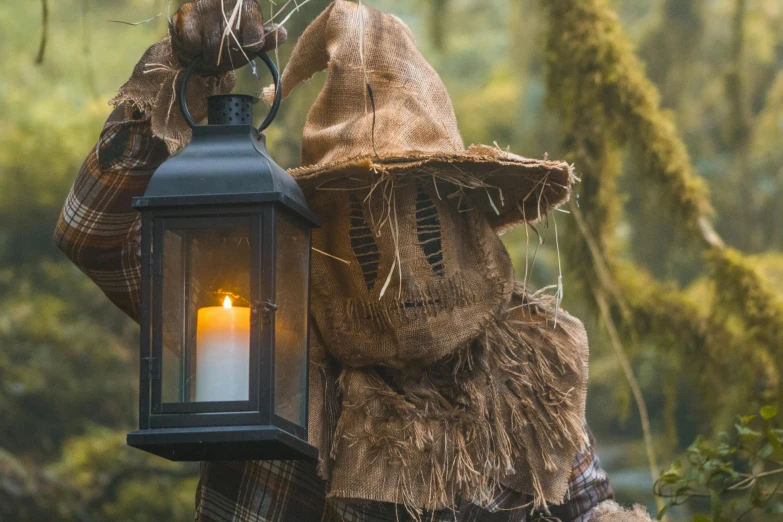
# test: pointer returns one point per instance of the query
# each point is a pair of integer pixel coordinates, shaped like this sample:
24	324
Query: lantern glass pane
291	289
206	312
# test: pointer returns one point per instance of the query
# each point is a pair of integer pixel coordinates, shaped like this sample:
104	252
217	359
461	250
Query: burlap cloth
504	411
612	512
434	378
152	88
453	383
384	108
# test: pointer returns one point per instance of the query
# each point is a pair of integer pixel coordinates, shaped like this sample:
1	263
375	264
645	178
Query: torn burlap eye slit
363	243
428	230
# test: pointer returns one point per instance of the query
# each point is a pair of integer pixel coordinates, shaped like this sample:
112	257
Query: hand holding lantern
199	30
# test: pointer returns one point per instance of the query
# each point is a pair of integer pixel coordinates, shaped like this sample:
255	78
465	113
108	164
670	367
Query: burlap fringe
460	428
610	511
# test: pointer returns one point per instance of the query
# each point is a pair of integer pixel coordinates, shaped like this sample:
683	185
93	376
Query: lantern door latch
267	308
150	368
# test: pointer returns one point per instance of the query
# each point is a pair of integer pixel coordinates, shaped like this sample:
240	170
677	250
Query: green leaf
777	447
769	412
746	434
765	451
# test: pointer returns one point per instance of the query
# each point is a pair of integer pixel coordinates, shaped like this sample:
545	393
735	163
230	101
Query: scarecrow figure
441	389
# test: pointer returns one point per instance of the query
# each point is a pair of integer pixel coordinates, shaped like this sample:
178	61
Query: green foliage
744	291
68	364
98	478
720	354
703	337
739	472
58	361
113	480
596	80
608	105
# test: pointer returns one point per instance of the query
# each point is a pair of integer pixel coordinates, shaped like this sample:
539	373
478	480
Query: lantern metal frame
192	190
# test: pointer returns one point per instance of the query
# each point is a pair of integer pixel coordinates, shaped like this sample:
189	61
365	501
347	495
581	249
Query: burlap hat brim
507	188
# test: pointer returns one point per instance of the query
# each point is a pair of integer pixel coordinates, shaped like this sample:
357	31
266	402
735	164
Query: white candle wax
222	353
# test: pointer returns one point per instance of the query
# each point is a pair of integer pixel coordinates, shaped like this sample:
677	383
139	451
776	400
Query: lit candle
222	353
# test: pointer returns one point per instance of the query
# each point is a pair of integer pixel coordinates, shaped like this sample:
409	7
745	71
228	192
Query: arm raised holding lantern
98	230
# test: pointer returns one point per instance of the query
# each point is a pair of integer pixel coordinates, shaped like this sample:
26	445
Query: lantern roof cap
224	164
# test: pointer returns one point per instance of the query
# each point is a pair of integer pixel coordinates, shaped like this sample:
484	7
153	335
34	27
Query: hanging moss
719	353
606	103
745	292
594	76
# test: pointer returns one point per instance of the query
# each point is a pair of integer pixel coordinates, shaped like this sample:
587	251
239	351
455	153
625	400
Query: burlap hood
384	109
434	422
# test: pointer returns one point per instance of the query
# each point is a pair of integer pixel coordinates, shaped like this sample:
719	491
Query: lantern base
223	443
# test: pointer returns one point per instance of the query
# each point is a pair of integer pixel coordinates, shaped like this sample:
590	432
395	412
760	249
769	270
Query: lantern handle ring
183	88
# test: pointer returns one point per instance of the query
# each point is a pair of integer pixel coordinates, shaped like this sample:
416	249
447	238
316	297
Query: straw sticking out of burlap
434	379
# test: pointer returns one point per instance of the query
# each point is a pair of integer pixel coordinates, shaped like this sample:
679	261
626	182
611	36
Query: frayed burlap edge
514	419
153	87
508	189
610	511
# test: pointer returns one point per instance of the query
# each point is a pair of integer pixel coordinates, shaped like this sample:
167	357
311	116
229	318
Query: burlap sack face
453	382
419	263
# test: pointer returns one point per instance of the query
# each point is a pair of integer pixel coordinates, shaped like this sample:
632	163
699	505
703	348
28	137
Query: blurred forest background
671	110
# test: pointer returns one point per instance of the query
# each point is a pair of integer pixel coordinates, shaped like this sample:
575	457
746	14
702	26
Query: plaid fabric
99	231
282	491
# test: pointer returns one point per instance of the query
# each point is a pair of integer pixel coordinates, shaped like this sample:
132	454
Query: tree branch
44	32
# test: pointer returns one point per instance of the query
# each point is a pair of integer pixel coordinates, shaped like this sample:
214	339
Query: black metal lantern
226	238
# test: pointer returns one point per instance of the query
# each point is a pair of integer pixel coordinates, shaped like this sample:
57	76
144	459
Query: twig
600	264
636	390
605	281
44	32
148	20
745	483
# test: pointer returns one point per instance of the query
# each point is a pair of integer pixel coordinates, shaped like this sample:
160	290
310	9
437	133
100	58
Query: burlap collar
506	411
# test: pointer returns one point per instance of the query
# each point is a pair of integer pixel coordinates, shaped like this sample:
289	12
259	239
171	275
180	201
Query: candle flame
227	302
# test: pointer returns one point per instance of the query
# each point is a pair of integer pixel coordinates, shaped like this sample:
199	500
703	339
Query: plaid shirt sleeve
588	487
98	229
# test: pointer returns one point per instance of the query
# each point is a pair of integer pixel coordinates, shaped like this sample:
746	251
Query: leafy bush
740	472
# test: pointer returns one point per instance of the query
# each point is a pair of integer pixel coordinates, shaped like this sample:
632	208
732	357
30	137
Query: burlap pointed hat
385	111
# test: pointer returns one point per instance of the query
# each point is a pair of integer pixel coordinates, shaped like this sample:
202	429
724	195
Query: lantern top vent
230	109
